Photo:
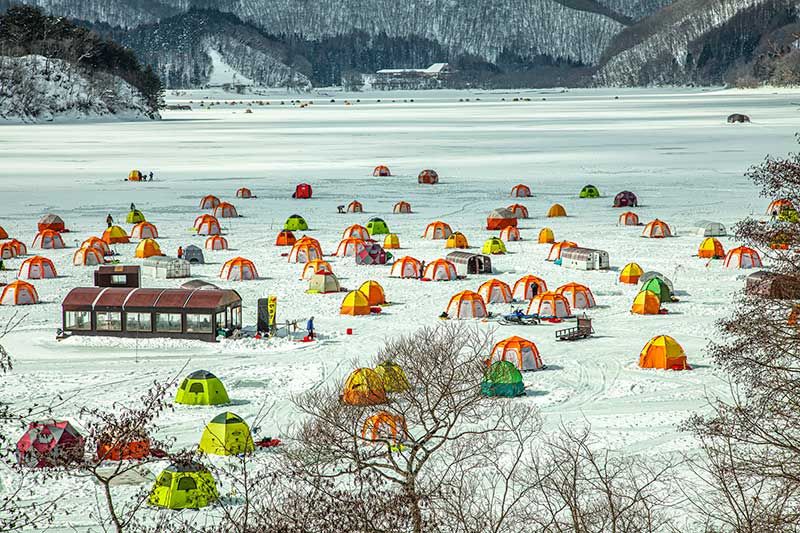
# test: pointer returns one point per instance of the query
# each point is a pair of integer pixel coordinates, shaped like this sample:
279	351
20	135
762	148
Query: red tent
49	443
302	191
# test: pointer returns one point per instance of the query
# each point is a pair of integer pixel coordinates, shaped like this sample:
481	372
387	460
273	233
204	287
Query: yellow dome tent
646	303
391	242
663	352
394	379
546	236
226	434
364	387
494	246
374	292
556	210
355	303
631	273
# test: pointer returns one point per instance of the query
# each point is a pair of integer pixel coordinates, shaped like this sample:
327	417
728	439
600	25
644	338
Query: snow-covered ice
671	147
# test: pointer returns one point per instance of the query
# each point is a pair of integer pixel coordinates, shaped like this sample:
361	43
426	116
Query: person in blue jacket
310	327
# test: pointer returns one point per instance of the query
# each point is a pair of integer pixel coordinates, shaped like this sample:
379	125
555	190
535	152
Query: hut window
108	321
138	322
119	279
164	480
198	324
236	317
197	388
221	319
186	483
81	320
169	322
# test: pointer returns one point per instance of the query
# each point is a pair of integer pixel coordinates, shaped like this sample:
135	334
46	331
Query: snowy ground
673	148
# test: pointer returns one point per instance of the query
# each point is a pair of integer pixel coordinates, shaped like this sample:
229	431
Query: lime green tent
590	191
377	226
503	379
135	217
184	486
393	376
659	287
201	388
787	214
226	434
493	246
295	223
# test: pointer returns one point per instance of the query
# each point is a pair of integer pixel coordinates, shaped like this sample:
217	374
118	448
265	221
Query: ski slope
671	147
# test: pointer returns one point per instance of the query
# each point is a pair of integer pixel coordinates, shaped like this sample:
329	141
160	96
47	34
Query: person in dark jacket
310	327
110	220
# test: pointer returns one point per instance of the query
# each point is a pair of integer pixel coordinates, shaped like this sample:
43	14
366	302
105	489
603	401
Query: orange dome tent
631	273
19	247
522	353
350	247
244	192
374	292
144	230
304	250
510	234
527	287
209	202
48	240
3	233
521	191
384	427
238	269
558	247
656	229
135	175
355	303
391	242
549	305
382	171
115	235
225	210
440	270
216	243
51	222
401	207
556	210
356	231
364	387
742	257
437	230
98	244
87	256
579	296
285	238
457	240
406	267
776	206
711	248
519	210
467	304
314	266
428	177
355	207
663	352
37	267
646	303
147	248
7	250
500	218
207	225
628	218
18	293
546	236
494	291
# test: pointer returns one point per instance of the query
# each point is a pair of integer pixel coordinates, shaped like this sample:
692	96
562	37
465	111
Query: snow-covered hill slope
37	89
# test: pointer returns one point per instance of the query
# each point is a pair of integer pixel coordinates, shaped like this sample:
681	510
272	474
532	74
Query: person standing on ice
110	220
310	327
133	206
151	175
180	252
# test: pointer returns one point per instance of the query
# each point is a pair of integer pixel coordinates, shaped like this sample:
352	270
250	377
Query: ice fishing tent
522	353
707	228
37	267
355	207
3	233
590	191
87	256
391	242
381	171
630	274
437	230
659	287
401	207
226	434
7	250
466	304
546	236
372	254
393	377
503	379
500	218
324	282
510	234
364	386
440	270
225	210
312	267
778	205
48	240
494	291
556	210
238	269
244	192
406	267
579	296
646	303
468	263
356	231
184	486
163	267
49	443
374	292
584	258
742	257
518	210
457	240
207	225
521	191
19	293
51	222
558	248
350	247
304	250
657	229
549	305
526	287
625	199
295	223
355	304
772	285
135	217
493	246
710	248
285	238
428	176
385	427
216	243
628	218
209	201
144	230
134	175
201	387
194	254
147	248
377	226
98	244
663	352
302	191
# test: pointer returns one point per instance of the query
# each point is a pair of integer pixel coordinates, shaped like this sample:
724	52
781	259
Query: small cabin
200	314
468	263
163	267
129	276
585	259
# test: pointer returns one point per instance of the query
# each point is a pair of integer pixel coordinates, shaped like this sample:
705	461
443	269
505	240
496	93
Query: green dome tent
201	388
590	191
184	486
503	379
377	226
295	223
659	287
226	434
135	217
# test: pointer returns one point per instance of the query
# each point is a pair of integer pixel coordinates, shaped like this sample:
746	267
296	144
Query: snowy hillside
37	89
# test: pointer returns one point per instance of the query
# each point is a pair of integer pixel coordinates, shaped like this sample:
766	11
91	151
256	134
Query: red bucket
349	331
